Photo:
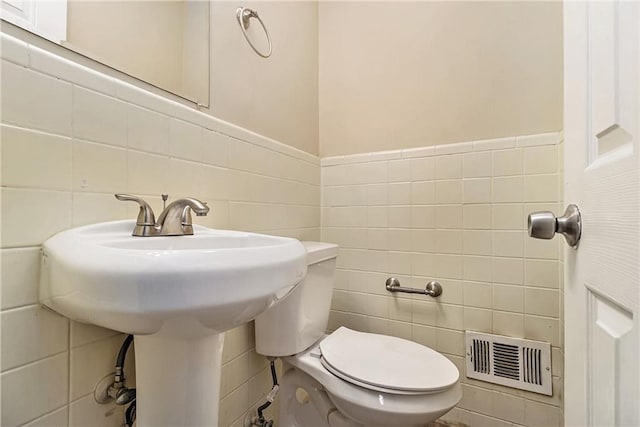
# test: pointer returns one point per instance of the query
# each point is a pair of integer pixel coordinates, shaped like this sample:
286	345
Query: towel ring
244	15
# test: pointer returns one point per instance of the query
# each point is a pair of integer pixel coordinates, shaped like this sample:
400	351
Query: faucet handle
145	215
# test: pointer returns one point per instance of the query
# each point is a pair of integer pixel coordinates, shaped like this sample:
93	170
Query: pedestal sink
177	295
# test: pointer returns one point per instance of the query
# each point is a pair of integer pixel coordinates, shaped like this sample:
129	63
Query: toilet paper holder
432	288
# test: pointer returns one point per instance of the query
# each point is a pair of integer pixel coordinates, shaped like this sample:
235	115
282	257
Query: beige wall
278	96
409	74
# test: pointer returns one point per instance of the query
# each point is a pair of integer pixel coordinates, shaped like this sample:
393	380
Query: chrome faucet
175	219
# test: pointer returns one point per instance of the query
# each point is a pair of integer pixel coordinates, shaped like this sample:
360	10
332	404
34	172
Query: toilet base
305	402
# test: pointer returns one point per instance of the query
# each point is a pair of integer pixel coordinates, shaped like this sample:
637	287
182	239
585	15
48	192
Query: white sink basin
176	294
218	279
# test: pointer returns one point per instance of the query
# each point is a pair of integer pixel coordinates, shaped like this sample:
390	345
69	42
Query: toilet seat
386	364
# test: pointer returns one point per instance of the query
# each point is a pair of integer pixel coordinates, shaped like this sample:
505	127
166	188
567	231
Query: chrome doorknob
544	225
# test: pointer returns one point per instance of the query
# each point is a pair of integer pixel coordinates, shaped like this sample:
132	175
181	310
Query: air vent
511	362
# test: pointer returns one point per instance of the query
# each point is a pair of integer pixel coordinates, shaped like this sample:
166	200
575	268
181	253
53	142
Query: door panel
602	290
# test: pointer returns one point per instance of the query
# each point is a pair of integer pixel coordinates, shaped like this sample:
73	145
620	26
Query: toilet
348	378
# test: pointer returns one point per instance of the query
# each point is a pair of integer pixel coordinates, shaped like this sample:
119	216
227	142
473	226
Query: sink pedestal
178	380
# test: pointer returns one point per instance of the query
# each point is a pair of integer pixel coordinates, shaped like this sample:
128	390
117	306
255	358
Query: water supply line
260	420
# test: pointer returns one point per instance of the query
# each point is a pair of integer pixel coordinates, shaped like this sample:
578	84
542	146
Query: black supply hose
123	351
274	389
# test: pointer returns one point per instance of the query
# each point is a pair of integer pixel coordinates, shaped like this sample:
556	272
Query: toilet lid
384	362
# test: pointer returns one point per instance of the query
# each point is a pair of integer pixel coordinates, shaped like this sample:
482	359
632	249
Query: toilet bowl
348	378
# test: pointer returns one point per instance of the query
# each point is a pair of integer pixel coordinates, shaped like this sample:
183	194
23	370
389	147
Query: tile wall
71	137
455	213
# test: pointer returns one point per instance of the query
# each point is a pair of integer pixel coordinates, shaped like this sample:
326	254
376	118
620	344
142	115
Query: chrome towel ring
244	15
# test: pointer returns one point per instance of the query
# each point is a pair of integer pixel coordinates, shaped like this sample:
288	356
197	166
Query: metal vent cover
512	362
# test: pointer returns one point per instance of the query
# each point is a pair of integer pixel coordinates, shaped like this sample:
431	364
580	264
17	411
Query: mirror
162	42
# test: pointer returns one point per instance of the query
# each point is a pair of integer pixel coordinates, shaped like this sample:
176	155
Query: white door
602	151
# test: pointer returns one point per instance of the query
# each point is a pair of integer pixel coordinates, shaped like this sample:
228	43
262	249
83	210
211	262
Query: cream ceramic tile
377	194
542	329
35	159
508	298
448	192
31	333
541	188
400	329
90	362
99	118
423	216
99	168
508	270
508	243
22	207
449	241
90	208
422	169
508	189
477	216
215	183
450	342
423	264
185	140
477	268
477	294
19	278
550	138
508	407
185	178
44	382
83	333
147	130
477	165
508	162
476	399
376	216
399	216
423	240
87	412
424	335
509	324
34	100
449	167
478	319
377	238
14	50
423	193
461	147
57	418
539	414
449	216
147	173
454	292
541	160
424	313
448	266
541	249
477	242
399	170
399	239
508	217
477	190
494	144
542	273
65	69
450	316
419	152
399	193
215	148
541	302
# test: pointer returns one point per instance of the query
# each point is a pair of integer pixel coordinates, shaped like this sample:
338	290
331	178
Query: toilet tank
300	319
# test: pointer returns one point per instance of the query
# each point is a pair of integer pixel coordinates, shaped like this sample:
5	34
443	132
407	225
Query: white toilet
348	378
